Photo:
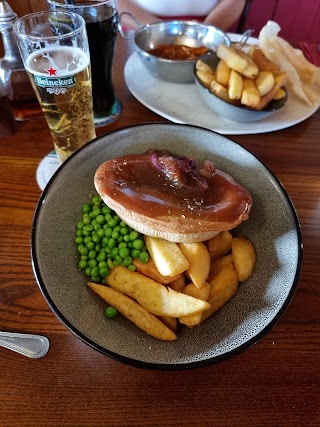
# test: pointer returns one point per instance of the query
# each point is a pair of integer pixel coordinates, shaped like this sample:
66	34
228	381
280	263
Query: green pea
90	245
104	241
84	251
103	272
108	231
144	257
86	208
112	222
135	253
96	279
96	199
138	244
100	219
92	263
102	264
134	235
124	231
111	243
115	234
97	227
132	267
96	212
96	238
86	220
98	247
88	227
92	254
118	259
100	233
114	252
124	252
78	240
111	312
127	261
80	225
82	264
94	271
105	210
102	256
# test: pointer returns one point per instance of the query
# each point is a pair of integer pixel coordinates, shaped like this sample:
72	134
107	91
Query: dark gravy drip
159	184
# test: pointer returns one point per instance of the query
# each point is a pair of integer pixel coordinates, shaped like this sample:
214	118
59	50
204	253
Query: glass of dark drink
101	19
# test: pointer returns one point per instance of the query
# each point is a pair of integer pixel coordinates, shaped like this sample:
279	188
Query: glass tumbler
55	52
101	19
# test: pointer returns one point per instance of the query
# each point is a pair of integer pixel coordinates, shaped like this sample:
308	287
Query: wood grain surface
274	383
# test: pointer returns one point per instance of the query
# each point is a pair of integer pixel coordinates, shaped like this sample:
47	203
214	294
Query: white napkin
303	77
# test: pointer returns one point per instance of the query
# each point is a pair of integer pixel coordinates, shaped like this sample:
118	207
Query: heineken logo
55	85
54	81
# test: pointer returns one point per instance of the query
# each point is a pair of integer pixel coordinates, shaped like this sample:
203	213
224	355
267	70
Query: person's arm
141	15
225	13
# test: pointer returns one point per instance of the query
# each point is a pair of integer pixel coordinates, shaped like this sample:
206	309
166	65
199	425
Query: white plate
47	167
181	103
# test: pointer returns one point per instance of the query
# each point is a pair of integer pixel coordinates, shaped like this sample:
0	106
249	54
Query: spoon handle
34	346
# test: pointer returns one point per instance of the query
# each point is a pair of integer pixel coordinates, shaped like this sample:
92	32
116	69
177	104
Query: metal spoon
34	346
242	42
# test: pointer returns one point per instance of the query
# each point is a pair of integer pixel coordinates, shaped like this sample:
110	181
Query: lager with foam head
60	75
64	95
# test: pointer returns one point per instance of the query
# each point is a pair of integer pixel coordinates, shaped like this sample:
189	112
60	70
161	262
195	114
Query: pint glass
101	19
55	52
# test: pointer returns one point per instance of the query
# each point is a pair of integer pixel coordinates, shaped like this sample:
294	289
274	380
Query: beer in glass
54	49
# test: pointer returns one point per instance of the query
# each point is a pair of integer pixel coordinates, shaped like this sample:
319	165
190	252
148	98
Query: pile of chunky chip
243	78
182	283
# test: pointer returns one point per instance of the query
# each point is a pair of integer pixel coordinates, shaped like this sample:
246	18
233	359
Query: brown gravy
137	182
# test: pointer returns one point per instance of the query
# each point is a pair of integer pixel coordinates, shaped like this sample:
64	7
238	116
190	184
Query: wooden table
274	383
